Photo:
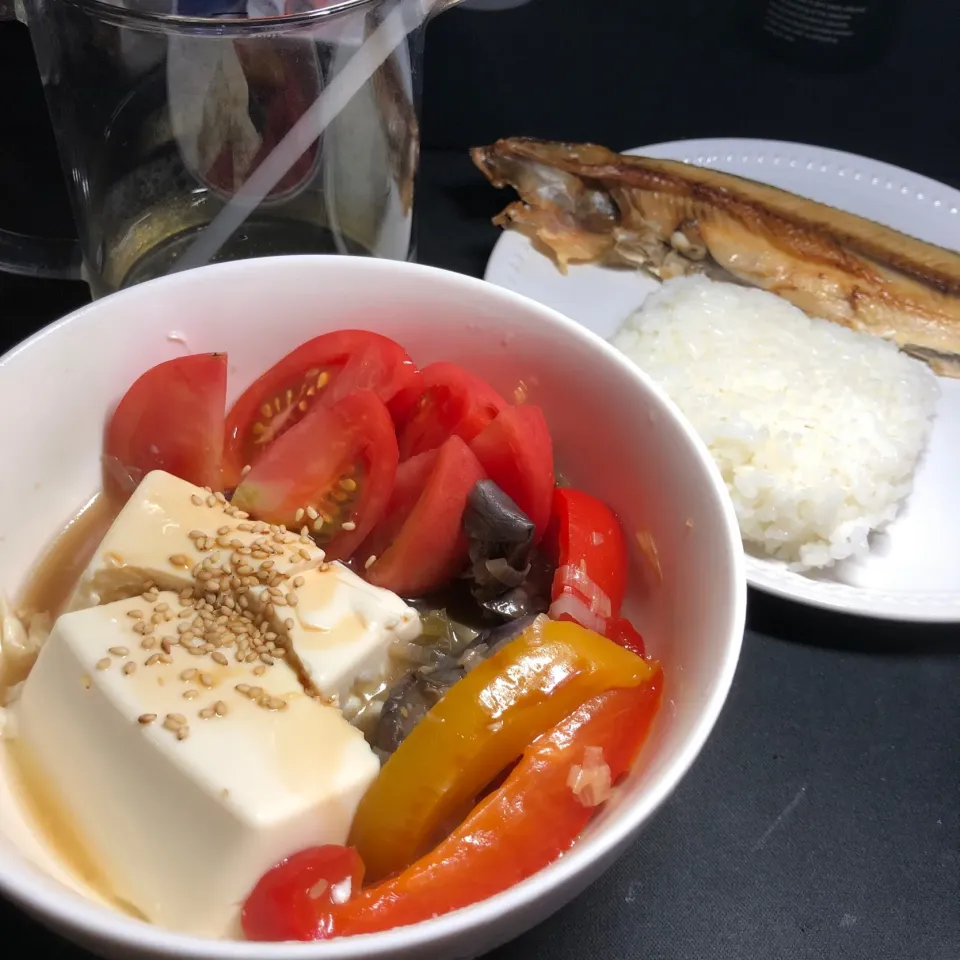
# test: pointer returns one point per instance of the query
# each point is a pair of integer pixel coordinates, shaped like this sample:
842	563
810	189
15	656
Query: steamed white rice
816	429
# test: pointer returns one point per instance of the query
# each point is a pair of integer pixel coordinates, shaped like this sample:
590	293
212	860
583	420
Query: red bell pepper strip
592	563
515	831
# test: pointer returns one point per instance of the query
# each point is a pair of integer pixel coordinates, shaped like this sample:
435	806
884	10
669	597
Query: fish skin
584	203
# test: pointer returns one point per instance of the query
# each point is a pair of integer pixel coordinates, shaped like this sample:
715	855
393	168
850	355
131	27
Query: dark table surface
823	818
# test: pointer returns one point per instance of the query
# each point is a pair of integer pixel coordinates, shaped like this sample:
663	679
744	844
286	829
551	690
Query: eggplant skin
583	203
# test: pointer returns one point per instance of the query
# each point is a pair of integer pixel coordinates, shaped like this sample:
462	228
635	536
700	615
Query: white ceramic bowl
615	433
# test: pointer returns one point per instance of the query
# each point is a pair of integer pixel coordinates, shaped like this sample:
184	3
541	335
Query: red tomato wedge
319	372
516	452
420	545
592	560
453	402
340	461
170	419
289	901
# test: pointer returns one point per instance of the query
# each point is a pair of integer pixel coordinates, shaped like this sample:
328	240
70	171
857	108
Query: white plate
913	571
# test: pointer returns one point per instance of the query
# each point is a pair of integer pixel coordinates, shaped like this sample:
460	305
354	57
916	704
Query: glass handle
39	257
46	259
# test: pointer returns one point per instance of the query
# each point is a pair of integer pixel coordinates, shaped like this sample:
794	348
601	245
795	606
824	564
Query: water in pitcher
160	128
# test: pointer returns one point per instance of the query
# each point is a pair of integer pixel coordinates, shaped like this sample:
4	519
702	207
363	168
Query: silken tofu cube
186	777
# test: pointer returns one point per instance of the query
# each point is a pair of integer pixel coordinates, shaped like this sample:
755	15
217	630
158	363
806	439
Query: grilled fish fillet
584	203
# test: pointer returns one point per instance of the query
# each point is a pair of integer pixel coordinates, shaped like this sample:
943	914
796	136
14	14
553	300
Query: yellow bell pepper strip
519	829
480	726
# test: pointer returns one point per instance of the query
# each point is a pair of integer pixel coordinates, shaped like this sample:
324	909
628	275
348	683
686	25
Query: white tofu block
155	525
183	825
341	628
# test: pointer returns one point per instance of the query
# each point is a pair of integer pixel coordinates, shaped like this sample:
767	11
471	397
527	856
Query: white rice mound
817	429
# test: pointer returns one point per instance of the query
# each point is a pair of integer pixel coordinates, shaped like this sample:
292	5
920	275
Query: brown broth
55	575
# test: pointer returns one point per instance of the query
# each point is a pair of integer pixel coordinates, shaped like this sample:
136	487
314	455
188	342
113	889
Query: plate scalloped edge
894	195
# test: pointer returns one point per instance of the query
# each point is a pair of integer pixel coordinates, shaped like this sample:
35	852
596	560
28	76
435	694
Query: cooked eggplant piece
410	698
501	538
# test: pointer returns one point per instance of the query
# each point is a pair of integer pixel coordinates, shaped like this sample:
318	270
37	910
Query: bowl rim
92	922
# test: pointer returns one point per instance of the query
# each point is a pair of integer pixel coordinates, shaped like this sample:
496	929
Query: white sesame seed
196	501
128	668
119	651
349	525
146	718
136	614
183	732
190	694
370	561
104	663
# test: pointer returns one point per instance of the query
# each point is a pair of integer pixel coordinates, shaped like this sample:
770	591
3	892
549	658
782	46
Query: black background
823	818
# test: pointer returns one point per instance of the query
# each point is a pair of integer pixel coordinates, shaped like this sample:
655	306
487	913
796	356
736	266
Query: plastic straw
372	53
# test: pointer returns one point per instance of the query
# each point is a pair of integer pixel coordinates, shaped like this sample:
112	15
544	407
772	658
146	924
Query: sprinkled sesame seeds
289	623
196	501
146	718
218	657
119	651
179	560
104	664
220	708
207	713
128	668
190	694
369	562
135	614
349	525
245	470
183	732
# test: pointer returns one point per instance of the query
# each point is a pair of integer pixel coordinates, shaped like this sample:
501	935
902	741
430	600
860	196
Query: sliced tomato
290	901
516	452
320	371
170	419
590	549
453	402
420	545
340	461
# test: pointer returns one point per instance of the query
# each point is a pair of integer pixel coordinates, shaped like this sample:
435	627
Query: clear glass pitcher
164	109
